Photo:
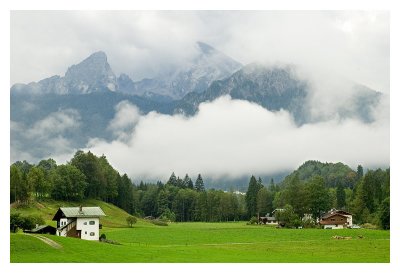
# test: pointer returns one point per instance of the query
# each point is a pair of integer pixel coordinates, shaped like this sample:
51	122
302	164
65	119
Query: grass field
209	242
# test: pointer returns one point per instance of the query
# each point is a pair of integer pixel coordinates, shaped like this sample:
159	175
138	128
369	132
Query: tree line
367	198
312	189
89	176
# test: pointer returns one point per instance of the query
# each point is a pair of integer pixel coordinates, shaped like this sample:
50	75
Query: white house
79	222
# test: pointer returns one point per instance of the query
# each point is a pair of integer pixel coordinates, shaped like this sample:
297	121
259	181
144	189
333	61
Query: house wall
63	222
88	231
333	226
335	220
349	220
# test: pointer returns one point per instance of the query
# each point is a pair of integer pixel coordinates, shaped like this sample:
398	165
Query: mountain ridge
90	90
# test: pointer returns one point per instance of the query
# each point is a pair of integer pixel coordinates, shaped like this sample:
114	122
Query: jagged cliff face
274	88
93	74
206	66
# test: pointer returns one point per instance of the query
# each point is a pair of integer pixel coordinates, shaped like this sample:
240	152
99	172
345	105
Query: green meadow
209	242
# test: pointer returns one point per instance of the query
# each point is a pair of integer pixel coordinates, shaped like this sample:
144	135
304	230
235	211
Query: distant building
79	222
307	217
336	219
267	220
42	229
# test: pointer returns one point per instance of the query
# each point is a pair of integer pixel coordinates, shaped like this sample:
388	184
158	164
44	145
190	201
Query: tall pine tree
251	196
340	196
199	184
172	180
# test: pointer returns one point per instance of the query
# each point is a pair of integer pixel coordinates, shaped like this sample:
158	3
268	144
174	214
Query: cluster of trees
368	198
312	189
84	176
180	200
89	176
18	221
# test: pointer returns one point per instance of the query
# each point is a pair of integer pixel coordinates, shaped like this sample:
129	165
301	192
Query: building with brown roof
336	219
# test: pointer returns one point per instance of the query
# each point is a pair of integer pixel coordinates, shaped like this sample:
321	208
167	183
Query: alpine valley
79	106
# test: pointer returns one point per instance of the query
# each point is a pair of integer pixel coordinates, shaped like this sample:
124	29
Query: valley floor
210	243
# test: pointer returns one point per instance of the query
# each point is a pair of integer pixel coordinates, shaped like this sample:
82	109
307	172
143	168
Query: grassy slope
116	217
209	242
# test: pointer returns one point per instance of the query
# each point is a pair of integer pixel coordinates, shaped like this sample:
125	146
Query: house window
91	222
85	223
91	233
332	220
85	232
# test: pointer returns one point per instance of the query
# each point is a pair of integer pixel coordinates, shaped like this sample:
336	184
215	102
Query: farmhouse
268	220
79	222
336	219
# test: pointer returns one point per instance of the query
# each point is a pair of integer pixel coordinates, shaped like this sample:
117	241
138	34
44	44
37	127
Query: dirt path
45	240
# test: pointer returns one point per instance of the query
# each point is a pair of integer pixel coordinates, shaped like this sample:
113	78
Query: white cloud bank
232	138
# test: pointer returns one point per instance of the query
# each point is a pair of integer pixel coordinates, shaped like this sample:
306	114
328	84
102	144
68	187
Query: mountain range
86	96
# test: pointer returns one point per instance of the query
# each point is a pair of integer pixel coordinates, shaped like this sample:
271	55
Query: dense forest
313	188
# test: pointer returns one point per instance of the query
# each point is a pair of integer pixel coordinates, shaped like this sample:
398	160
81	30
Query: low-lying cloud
233	138
46	137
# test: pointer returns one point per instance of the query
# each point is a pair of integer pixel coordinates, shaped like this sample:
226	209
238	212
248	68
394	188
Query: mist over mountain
60	114
93	74
274	88
206	66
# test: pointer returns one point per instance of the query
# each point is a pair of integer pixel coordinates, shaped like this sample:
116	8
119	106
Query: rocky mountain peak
205	48
96	63
91	75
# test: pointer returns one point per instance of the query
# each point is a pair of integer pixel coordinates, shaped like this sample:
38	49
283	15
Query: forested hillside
313	188
332	173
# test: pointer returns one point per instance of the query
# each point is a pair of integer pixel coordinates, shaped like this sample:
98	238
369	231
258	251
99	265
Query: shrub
15	222
168	215
253	221
102	237
38	220
288	218
309	223
24	222
28	222
159	223
296	223
110	242
369	226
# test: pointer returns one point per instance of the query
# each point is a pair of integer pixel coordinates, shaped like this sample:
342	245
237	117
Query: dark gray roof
85	212
39	228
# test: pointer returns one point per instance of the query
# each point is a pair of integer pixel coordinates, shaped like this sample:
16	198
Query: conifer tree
199	184
340	196
251	196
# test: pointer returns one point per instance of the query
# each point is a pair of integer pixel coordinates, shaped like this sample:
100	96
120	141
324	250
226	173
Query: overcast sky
227	138
352	44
